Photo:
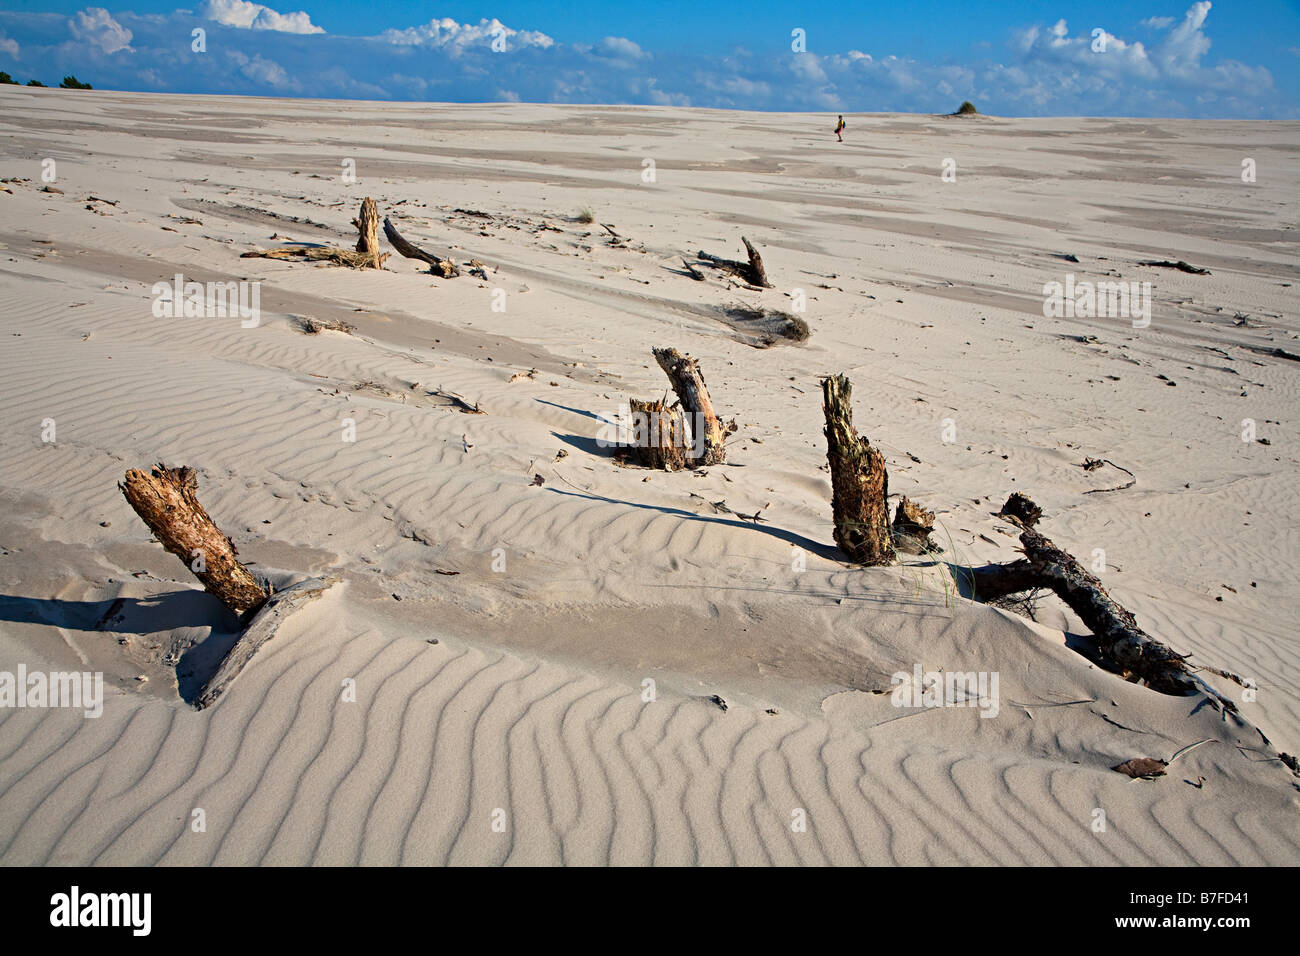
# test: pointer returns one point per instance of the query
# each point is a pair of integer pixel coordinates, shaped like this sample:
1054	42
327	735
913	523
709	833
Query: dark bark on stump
859	481
660	435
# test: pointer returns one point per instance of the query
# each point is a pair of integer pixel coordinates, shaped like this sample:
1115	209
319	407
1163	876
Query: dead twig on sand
1091	464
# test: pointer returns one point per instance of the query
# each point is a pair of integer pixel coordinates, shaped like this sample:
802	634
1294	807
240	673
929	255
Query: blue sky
1226	59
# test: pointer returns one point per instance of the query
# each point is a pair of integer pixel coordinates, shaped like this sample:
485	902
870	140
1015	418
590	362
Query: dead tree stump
688	384
912	528
659	435
1023	509
752	271
166	500
757	271
368	243
859	481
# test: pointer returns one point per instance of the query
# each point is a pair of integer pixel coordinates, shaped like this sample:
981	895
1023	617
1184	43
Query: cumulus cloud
8	46
455	38
1157	23
96	27
254	16
263	71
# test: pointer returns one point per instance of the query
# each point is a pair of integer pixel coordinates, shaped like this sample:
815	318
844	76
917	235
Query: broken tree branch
1119	639
445	267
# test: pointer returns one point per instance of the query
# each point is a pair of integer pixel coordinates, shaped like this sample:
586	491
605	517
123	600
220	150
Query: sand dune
502	714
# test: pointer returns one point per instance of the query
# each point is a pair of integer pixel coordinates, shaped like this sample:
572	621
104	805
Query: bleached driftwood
260	630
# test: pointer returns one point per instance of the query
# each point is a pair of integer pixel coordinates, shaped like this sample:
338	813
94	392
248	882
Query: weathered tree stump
444	267
166	500
659	435
752	271
912	528
688	384
368	242
1023	509
859	481
1119	639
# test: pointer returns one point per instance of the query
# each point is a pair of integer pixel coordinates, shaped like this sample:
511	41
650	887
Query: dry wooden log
659	435
367	224
342	257
260	630
445	267
752	271
859	481
688	384
1119	639
166	500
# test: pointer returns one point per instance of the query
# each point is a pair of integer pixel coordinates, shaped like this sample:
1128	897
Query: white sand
927	294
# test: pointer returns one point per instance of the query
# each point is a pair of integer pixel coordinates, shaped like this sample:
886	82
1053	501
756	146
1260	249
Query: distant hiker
839	128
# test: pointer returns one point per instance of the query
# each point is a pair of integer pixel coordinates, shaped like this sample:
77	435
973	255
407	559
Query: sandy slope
531	701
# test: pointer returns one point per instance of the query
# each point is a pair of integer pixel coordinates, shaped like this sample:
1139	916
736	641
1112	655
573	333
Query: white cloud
1182	51
261	70
95	26
619	48
1157	23
254	16
447	34
8	46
